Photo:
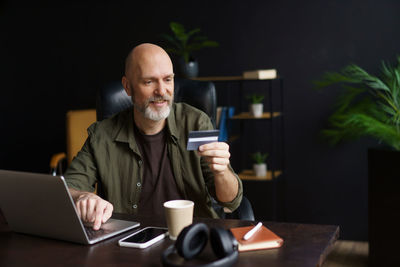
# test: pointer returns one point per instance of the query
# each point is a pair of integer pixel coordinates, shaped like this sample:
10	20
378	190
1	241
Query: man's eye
147	82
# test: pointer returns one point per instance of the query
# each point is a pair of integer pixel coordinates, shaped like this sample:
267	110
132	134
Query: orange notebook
262	239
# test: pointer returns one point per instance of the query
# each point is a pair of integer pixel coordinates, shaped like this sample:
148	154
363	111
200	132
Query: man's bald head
145	54
149	80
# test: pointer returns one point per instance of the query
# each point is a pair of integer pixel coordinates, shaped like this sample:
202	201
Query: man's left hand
217	155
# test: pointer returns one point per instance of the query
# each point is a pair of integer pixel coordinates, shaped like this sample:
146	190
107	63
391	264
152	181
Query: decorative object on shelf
267	74
260	165
183	44
256	106
369	106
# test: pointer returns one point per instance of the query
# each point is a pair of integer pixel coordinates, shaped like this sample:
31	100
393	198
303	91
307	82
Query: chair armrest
243	212
55	161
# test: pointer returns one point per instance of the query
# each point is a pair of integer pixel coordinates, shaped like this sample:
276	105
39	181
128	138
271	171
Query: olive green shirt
111	158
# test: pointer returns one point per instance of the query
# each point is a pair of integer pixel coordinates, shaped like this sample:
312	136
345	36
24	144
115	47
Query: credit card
198	138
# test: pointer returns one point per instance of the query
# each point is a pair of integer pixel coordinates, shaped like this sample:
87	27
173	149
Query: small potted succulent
260	164
256	106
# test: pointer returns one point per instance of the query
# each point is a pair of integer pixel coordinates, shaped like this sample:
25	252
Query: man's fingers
215	153
98	217
82	208
216	149
214	146
93	209
90	210
217	160
107	212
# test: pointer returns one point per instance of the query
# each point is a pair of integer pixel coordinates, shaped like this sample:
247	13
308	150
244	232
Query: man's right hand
91	208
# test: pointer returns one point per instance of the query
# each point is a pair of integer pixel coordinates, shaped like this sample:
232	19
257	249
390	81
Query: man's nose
161	89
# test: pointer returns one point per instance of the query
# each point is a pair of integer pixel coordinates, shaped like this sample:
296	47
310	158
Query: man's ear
127	87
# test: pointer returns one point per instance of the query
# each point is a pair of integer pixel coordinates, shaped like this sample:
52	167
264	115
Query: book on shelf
223	122
262	239
260	74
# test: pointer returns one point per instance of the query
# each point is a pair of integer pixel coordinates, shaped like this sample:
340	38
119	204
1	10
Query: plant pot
383	206
260	170
256	110
188	69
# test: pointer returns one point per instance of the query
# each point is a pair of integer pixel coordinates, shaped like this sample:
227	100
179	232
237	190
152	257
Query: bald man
138	157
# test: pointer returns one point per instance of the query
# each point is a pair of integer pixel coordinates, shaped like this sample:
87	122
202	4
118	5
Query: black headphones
192	240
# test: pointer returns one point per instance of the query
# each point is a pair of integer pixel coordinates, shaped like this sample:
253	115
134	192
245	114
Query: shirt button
134	206
140	162
138	184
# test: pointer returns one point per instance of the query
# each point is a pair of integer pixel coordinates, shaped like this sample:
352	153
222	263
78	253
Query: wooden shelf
219	78
233	138
227	78
247	116
249	175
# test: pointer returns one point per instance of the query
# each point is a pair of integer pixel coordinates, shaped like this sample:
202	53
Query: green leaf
192	32
368	105
172	40
177	28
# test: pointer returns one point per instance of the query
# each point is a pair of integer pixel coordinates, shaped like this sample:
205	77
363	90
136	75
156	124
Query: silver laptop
40	204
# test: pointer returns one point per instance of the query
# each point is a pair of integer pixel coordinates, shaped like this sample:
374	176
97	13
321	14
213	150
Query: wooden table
304	245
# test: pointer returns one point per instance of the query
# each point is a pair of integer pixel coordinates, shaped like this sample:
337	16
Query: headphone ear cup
192	240
221	242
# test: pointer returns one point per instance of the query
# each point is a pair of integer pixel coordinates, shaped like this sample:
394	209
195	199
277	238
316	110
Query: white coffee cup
179	214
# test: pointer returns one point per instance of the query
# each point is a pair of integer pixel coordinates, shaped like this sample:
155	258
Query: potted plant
183	44
256	106
260	164
370	106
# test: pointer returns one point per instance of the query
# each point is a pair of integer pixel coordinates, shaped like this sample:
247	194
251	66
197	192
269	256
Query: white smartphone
144	237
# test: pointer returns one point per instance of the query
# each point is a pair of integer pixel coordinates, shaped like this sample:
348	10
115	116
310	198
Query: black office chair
243	212
112	99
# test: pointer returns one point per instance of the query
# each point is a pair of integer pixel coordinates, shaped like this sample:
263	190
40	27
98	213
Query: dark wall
55	55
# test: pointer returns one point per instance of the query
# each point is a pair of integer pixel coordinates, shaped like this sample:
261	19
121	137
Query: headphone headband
222	241
226	261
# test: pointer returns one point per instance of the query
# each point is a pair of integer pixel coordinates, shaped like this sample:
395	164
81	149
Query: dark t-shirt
158	184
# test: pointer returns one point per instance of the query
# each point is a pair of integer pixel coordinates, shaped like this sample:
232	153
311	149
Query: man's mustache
159	98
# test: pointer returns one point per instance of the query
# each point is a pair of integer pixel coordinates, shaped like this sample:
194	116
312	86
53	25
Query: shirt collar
125	132
171	124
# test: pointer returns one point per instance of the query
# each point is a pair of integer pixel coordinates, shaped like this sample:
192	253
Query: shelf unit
267	193
244	115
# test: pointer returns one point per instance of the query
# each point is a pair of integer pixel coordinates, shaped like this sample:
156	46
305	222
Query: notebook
262	239
40	204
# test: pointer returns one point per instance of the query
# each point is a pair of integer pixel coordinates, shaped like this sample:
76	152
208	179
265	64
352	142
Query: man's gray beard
154	115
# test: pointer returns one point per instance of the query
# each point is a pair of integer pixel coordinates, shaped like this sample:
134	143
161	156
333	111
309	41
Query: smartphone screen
144	238
145	235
